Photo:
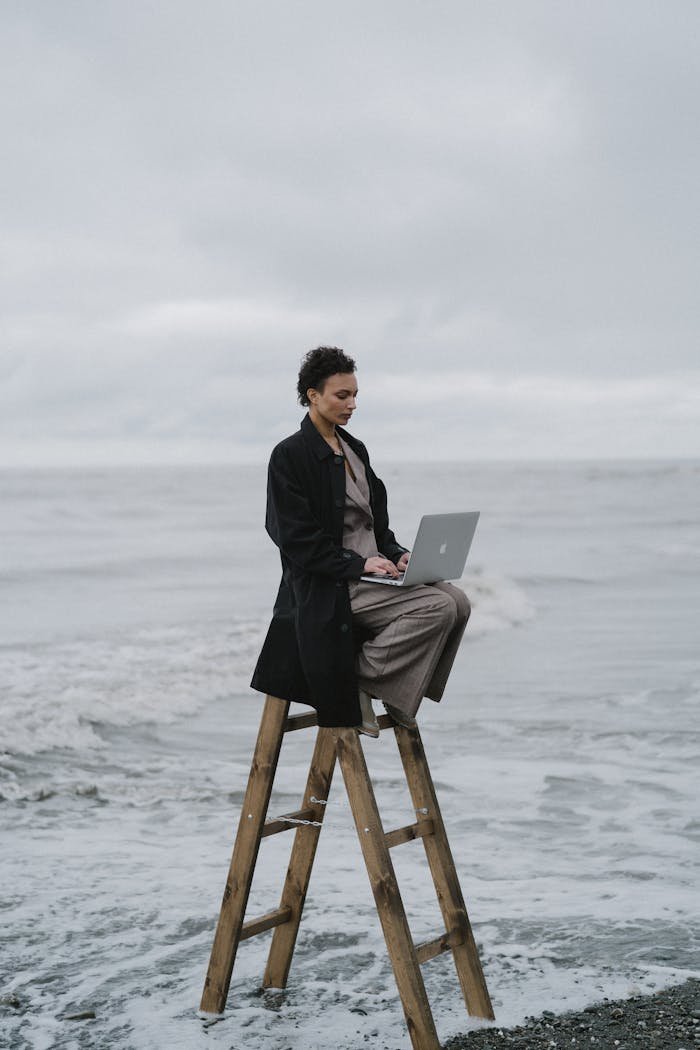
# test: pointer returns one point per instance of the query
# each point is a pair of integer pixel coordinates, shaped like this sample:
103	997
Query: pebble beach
668	1020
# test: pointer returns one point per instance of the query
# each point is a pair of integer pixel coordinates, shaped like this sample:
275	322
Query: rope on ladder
295	820
345	801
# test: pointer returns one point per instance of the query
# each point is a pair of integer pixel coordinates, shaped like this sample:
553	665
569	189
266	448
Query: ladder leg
300	863
419	1018
442	867
245	852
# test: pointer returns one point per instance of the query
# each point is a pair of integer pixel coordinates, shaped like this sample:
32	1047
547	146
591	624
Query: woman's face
336	403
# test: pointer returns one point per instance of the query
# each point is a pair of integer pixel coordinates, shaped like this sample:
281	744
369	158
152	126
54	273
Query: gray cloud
494	204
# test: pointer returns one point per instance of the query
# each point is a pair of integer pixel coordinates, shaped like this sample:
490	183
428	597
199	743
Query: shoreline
666	1020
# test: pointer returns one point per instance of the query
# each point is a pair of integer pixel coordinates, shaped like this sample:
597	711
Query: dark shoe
400	717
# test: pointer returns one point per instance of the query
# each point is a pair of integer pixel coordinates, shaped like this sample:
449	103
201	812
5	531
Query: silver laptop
439	552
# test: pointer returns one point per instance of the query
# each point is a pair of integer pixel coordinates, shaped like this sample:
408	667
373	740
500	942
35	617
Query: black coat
309	651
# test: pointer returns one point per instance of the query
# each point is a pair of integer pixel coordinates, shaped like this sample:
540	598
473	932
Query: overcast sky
493	207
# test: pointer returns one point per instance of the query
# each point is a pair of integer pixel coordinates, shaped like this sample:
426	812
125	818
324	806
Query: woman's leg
411	628
436	686
459	597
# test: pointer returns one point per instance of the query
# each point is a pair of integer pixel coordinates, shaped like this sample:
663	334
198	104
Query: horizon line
165	464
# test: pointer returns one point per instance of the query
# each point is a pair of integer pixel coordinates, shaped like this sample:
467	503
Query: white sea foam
559	914
497	602
564	756
56	695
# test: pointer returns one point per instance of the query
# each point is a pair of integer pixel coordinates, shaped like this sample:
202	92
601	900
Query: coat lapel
357	491
341	483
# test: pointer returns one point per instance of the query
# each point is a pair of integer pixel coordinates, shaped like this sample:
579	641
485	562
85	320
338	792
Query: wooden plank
265	922
277	824
318	785
419	1018
431	949
409	833
442	868
295	722
245	852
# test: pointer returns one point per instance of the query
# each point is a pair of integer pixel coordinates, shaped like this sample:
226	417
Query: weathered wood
409	833
405	957
245	852
419	1018
301	861
431	949
274	825
300	722
442	868
265	922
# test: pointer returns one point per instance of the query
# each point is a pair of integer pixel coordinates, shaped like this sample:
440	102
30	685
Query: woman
336	641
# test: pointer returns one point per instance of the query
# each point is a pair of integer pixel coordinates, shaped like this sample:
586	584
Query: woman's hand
381	565
402	563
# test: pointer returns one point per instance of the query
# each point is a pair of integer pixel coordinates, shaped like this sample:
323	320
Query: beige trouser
418	634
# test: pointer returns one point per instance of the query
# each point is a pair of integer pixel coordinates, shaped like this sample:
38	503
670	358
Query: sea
565	754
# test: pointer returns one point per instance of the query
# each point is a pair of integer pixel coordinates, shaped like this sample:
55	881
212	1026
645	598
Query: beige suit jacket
358	522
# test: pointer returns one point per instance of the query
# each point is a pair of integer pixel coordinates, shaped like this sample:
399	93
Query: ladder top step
294	722
300	722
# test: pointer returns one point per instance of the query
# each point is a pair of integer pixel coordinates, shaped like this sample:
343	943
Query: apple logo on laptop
443	548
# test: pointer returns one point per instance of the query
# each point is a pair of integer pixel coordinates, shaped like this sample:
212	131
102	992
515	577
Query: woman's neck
325	429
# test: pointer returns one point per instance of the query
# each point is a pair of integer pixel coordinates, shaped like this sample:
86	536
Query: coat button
339	583
347	554
344	627
339	503
338	459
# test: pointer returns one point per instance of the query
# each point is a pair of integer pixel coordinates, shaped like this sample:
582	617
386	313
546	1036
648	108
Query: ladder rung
410	832
277	824
300	722
306	721
265	922
430	949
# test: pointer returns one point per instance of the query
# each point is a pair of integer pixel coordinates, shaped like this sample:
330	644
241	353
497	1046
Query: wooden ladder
406	957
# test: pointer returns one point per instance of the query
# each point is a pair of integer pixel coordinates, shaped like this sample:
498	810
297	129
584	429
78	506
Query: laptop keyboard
384	575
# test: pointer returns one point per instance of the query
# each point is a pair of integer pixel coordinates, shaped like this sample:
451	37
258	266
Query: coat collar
319	445
355	490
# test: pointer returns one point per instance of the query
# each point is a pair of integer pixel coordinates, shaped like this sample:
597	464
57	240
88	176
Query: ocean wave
67	694
546	579
498	602
59	695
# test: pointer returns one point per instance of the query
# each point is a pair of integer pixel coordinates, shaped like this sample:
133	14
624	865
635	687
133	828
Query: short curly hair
317	365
